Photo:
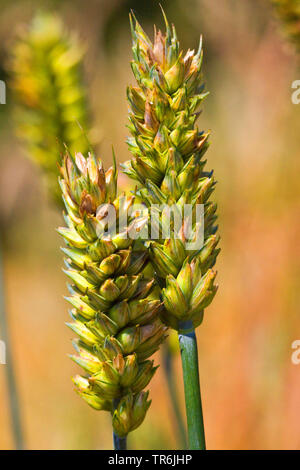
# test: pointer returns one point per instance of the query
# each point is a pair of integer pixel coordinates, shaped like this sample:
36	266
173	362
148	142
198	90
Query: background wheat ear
50	110
113	314
50	103
168	161
288	11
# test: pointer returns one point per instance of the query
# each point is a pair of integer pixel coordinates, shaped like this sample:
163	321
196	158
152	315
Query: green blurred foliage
51	108
288	12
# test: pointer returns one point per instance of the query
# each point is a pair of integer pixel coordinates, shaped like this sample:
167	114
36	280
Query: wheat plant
113	313
118	317
168	162
50	104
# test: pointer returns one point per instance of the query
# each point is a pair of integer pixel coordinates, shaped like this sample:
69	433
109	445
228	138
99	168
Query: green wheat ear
113	314
50	100
289	13
168	161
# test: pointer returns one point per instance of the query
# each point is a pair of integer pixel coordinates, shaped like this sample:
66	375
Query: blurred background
251	389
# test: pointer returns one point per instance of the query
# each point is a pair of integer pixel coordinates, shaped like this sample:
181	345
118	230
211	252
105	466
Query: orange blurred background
250	387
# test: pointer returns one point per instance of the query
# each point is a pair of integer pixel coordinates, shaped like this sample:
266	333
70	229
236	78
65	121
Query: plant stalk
189	358
9	367
168	365
120	443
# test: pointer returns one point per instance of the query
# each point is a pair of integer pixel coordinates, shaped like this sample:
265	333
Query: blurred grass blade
9	366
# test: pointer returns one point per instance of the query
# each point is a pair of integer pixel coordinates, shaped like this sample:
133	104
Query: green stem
9	369
120	443
168	364
189	357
